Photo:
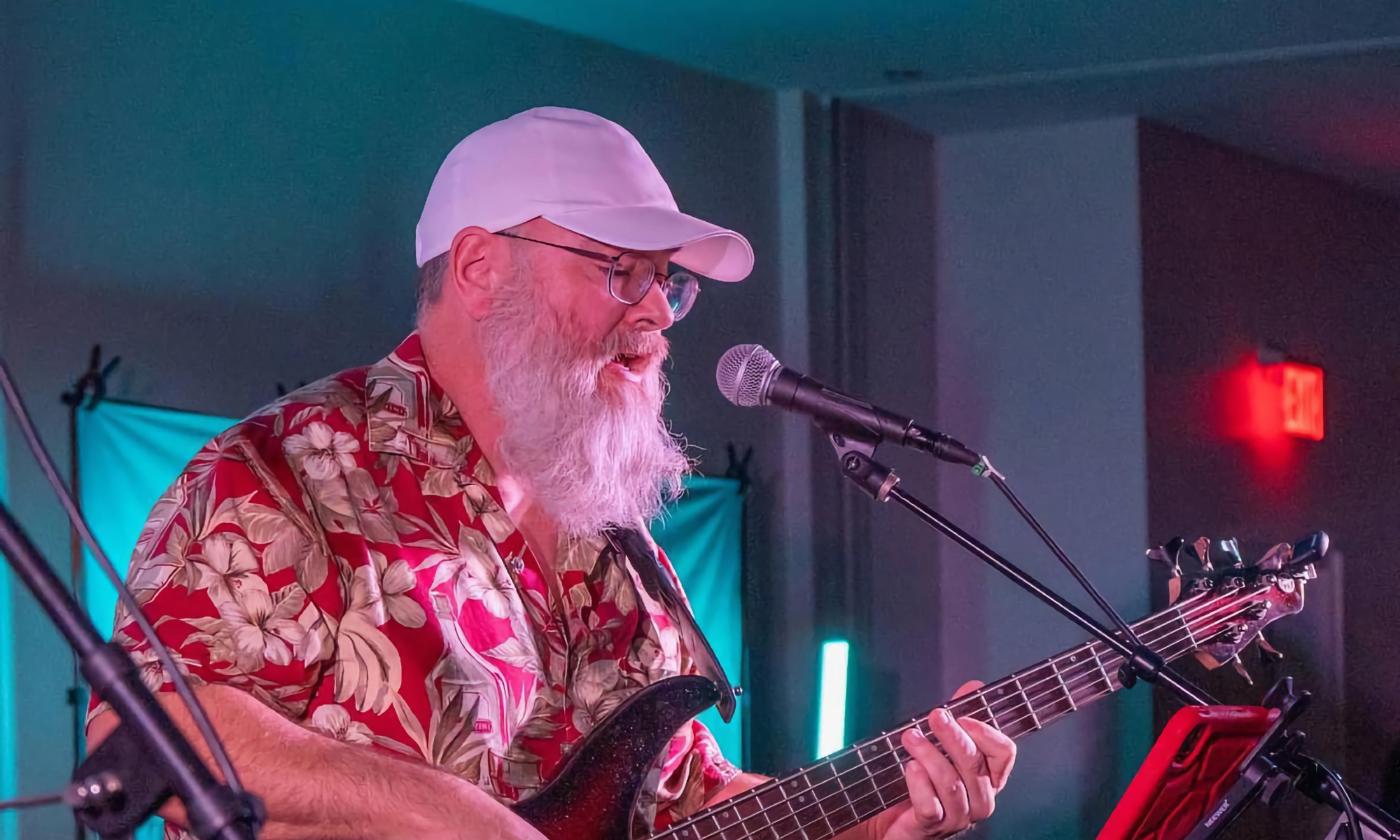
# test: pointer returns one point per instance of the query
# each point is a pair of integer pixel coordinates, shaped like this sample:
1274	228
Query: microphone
748	375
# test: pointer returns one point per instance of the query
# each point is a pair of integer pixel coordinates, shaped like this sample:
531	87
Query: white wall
990	285
1039	348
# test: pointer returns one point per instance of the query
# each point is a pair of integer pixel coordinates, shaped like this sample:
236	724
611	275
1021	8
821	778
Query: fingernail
945	716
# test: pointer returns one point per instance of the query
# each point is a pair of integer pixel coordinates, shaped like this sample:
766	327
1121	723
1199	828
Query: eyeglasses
631	275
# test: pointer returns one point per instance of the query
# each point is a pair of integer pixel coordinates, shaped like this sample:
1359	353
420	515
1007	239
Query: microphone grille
743	373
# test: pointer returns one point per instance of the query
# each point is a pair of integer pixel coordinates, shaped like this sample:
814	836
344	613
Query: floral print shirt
343	556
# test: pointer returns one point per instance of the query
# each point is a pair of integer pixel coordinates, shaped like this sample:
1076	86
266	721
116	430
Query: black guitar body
593	796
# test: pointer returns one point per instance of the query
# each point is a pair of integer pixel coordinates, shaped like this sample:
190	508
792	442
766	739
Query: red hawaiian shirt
343	555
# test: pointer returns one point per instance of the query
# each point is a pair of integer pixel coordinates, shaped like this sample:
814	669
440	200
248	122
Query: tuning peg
1169	555
1161	555
1268	654
1275	558
1174	548
1311	549
1202	551
1231	548
1239	669
1189	552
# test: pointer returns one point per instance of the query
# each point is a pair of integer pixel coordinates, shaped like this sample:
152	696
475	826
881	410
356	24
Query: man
393	586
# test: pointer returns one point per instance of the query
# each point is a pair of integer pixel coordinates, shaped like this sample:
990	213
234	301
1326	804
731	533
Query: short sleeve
692	771
233	579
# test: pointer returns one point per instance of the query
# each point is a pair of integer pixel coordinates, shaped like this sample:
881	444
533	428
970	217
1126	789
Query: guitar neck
823	799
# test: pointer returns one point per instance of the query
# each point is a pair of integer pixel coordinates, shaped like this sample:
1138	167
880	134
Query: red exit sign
1301	400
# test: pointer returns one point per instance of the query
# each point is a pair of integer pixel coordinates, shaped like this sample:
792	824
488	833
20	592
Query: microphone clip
856	452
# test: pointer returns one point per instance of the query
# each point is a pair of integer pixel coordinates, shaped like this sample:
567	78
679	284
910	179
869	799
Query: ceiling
1312	83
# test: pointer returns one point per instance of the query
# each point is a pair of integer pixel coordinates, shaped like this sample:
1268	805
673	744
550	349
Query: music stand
1212	762
1190	769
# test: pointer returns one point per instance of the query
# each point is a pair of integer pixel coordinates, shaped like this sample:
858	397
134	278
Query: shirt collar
407	413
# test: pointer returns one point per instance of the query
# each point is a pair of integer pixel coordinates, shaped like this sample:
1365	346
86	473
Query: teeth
627	360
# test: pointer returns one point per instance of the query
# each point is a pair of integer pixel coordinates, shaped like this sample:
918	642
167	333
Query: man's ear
478	262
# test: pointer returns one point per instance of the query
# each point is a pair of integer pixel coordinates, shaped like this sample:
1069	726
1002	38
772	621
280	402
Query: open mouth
631	366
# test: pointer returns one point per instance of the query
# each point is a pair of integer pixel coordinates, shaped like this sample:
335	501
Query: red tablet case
1193	763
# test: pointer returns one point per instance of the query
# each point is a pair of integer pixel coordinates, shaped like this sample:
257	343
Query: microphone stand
1277	764
880	483
146	758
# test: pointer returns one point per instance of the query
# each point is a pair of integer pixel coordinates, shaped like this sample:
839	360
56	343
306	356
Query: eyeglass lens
632	278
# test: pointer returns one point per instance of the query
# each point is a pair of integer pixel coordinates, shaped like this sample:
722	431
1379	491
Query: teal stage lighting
831	714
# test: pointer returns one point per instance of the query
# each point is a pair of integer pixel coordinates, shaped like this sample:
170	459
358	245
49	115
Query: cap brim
706	249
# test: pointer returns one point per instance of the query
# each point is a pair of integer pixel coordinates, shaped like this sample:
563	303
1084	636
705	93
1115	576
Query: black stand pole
214	810
87	391
1312	778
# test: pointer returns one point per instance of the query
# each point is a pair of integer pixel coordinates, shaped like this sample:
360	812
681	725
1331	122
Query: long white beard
592	457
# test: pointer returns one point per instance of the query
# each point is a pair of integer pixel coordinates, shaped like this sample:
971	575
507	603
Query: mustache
635	344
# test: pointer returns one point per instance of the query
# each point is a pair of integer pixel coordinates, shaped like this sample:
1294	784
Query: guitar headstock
1226	603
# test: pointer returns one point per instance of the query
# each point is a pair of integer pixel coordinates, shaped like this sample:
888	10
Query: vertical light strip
831	714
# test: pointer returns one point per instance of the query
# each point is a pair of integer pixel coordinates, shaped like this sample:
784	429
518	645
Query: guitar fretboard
823	799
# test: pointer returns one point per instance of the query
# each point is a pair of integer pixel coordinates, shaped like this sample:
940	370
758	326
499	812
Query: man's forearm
317	787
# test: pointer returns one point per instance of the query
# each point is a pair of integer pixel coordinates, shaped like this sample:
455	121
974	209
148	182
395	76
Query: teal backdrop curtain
703	535
129	454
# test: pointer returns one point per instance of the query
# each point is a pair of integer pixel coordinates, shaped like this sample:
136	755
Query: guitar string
900	789
1076	676
896	752
1090	666
1073	675
1097	646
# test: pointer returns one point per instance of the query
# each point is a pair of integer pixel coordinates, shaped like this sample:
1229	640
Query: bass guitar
1215	614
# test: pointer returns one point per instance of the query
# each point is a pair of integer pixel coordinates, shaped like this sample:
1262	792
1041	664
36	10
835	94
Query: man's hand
949	793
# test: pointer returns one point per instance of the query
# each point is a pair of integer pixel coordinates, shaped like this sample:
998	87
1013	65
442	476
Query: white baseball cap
581	172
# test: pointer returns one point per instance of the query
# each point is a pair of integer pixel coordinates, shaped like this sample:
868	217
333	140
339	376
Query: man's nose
652	312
